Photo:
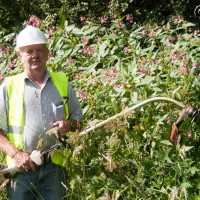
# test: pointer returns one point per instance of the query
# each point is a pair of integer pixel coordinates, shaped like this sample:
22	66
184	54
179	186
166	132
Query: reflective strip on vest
15	94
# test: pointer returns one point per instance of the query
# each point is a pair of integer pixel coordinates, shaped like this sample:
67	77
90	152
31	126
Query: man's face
34	57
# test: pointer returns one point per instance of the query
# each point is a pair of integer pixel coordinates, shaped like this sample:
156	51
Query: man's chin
36	65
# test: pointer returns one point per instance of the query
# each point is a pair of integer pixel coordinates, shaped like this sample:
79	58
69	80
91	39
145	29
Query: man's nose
35	53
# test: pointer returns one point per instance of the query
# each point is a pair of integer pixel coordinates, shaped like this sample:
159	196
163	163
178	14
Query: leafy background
115	63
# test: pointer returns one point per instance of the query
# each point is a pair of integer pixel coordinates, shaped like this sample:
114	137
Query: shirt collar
47	76
26	77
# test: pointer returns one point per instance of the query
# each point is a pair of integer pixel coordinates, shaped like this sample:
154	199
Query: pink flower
103	19
50	32
2	77
144	32
194	65
111	75
153	62
34	21
70	62
151	33
189	133
143	70
196	32
120	24
85	41
177	20
11	64
82	18
82	95
173	56
15	38
179	37
106	73
129	18
142	60
113	72
168	41
7	49
184	70
90	51
85	51
184	59
115	84
125	50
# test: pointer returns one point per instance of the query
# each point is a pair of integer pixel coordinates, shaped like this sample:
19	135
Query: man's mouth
36	61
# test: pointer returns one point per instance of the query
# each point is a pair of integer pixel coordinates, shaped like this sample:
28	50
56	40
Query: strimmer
186	111
7	172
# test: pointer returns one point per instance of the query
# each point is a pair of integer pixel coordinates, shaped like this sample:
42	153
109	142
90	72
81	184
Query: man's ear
48	54
19	55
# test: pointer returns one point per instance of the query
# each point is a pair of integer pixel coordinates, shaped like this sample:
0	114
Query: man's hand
64	126
23	161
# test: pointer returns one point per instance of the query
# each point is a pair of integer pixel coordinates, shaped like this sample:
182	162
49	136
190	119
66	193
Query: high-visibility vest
15	94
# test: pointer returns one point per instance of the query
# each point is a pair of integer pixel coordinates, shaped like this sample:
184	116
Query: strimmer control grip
193	113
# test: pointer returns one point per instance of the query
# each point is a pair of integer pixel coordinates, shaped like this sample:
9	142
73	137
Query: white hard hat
29	36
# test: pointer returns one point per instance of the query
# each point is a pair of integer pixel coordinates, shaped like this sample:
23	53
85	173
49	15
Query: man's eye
40	50
28	52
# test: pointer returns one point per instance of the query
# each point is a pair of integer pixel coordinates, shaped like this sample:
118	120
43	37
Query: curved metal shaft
100	124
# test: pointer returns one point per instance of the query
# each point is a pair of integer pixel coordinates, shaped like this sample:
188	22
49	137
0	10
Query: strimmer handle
174	135
187	111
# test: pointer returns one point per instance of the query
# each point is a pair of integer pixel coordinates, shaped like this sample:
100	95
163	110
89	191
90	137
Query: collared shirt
42	107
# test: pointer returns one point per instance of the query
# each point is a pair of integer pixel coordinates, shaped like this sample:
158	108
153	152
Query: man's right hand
23	161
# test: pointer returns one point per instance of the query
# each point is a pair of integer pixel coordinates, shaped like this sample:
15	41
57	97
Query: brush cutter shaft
99	125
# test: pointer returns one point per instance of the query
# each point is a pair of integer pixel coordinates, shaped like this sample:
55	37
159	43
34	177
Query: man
30	104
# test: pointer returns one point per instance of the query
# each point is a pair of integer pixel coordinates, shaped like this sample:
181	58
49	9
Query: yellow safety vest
15	94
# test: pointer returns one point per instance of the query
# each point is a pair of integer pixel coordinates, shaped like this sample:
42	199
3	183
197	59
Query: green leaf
70	27
102	48
77	31
166	142
145	81
91	30
60	157
188	24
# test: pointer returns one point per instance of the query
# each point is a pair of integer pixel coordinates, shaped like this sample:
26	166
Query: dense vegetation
113	65
13	13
